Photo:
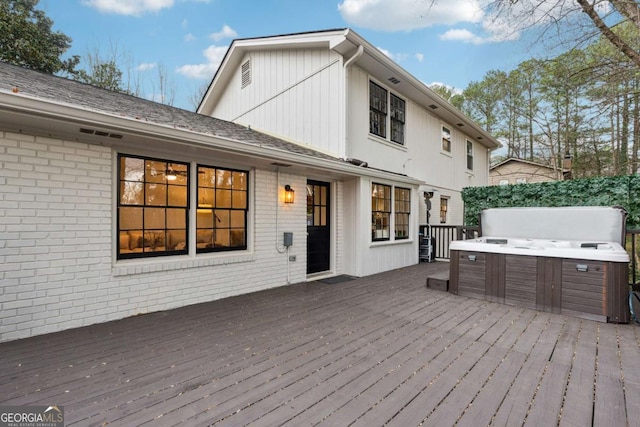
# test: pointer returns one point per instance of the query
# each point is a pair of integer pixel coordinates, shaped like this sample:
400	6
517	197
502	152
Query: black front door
318	227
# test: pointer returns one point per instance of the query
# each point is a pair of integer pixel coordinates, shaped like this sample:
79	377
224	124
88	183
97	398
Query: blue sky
452	42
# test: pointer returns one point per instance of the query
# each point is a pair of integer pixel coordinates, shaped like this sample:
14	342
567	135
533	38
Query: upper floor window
402	204
153	207
470	155
385	106
221	221
380	212
377	110
446	139
397	119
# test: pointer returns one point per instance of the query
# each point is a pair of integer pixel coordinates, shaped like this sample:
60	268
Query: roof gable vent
246	73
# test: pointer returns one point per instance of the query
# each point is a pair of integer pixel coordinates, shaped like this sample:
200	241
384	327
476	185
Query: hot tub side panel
618	292
520	289
478	275
584	288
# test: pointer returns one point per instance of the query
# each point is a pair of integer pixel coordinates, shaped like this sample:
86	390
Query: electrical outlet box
292	258
287	239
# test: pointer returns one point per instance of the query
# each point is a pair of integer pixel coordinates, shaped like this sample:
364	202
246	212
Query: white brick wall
57	269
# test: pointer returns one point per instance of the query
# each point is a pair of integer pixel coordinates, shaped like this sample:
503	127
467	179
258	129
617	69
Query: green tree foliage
583	104
27	39
603	191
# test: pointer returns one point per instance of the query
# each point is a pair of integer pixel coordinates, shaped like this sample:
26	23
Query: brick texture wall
57	237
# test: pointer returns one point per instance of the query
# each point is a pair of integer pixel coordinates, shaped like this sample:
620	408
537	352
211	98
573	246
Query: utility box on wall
287	239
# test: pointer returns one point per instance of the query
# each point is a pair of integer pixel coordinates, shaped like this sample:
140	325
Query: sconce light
288	194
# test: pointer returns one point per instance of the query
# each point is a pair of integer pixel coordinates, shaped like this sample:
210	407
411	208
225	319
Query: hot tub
570	261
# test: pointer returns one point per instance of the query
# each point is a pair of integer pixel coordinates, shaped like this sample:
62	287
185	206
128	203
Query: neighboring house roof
516	160
105	115
347	43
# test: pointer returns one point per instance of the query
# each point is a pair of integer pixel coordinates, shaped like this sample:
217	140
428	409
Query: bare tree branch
617	41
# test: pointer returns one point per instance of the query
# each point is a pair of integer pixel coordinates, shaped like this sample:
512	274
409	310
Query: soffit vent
394	80
433	106
246	73
100	133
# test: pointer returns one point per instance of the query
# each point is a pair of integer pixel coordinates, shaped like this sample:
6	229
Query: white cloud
145	66
406	15
225	33
419	57
189	37
129	7
398	57
184	24
462	35
214	55
475	21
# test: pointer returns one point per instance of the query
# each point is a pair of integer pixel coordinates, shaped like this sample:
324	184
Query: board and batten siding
295	94
58	240
362	256
421	155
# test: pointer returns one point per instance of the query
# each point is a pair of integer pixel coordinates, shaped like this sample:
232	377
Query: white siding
421	156
295	94
57	228
362	256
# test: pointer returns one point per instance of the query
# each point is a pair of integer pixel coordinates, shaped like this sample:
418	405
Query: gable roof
515	159
347	43
70	109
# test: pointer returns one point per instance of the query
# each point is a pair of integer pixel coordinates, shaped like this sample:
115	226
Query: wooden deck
381	349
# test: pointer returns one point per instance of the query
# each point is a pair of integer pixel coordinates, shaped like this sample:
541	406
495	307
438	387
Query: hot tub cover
579	223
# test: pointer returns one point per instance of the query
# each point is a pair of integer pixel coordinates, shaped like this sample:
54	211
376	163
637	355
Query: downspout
357	233
347	64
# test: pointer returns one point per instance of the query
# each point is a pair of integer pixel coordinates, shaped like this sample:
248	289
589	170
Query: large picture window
402	204
221	223
380	212
153	207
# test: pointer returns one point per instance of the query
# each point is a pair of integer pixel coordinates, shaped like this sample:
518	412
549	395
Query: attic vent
433	106
100	133
246	73
460	124
394	80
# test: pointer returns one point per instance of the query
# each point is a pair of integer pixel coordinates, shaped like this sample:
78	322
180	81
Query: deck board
374	350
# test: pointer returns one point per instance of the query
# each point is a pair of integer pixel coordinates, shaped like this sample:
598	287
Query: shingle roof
62	90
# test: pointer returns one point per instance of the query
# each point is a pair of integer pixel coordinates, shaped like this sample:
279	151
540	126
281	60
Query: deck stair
438	280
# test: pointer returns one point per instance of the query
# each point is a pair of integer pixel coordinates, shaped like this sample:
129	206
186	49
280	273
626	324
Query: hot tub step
438	281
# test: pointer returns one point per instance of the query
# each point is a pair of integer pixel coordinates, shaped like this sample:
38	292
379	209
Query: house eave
60	120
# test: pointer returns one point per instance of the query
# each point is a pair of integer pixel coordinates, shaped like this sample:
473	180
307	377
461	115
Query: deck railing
442	235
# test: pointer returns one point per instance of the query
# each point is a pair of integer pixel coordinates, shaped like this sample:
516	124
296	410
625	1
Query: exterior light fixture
288	194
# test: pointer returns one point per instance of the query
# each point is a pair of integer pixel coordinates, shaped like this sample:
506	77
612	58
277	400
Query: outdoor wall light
288	194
